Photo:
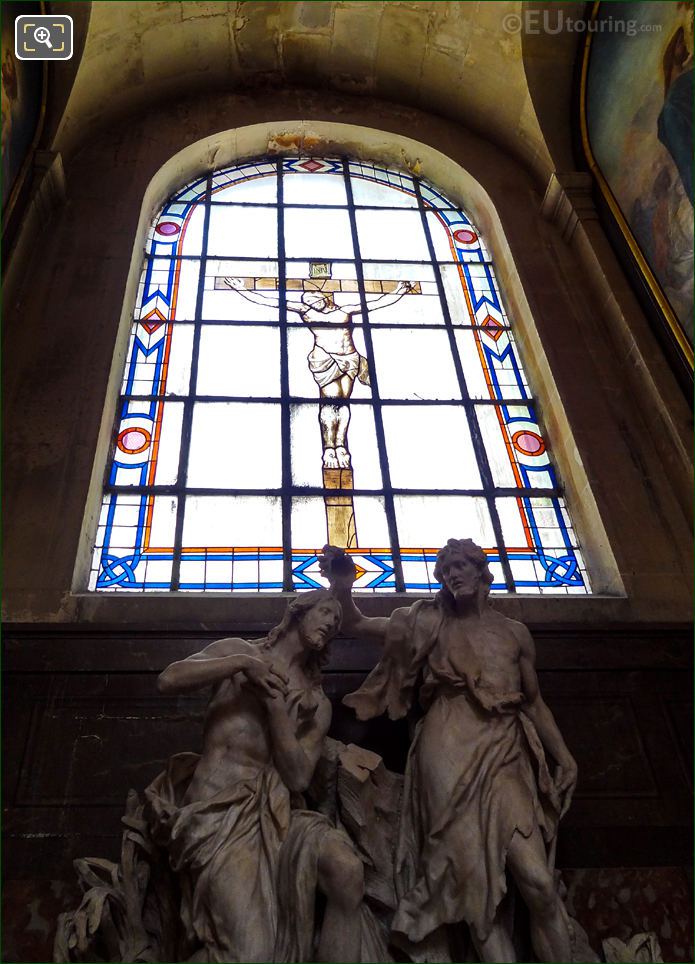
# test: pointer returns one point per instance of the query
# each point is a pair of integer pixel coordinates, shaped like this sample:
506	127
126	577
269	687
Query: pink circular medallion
529	443
465	236
133	440
168	228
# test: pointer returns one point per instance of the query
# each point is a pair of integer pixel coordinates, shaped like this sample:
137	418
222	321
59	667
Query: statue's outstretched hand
338	568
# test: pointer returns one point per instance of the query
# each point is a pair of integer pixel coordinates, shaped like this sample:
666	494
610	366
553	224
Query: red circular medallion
168	228
529	443
133	440
465	236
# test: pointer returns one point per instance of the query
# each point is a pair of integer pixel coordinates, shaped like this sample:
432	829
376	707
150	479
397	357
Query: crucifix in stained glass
335	364
219	479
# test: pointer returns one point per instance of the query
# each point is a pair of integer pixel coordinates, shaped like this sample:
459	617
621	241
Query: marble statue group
278	843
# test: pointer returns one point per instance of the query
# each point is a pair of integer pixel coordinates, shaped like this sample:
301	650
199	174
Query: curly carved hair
468	549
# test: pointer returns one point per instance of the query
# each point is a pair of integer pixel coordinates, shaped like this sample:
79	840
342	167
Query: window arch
319	353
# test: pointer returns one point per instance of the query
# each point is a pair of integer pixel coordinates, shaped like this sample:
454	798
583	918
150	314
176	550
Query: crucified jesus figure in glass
334	361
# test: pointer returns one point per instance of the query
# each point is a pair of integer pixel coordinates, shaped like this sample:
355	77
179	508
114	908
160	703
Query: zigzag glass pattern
298	322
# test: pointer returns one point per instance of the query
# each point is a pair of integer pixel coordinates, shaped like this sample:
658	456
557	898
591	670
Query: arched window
319	353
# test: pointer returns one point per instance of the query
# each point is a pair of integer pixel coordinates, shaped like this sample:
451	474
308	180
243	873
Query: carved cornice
568	200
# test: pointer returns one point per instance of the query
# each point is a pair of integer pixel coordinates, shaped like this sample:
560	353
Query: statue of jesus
334	360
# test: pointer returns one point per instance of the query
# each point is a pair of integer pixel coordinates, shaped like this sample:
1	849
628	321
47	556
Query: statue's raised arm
339	569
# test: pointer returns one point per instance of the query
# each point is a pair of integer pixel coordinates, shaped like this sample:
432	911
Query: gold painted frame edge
657	291
31	153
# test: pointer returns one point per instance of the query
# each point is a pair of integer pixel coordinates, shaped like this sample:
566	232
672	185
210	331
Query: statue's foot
343	457
330	460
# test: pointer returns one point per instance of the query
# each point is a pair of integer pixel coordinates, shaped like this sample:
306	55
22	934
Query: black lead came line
389	506
285	409
474	428
304	491
302	400
187	424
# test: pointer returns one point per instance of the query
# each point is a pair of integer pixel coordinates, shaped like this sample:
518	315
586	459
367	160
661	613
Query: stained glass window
319	353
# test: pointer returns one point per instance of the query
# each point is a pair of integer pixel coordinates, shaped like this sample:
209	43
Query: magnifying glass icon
42	35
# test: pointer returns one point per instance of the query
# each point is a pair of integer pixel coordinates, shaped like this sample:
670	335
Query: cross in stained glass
335	364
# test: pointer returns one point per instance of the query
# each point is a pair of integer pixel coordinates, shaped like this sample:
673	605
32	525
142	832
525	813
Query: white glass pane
495	439
260	190
317	234
365	192
429	447
235	445
370	522
239	361
307	448
229	521
314	189
309	524
162	522
191	232
414	364
429	521
167	464
423	274
241	291
512	520
442	239
391	234
469	353
236	231
454	283
185	291
370	174
178	369
317	360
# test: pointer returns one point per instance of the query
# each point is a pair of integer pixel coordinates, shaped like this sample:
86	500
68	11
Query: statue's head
462	569
316	615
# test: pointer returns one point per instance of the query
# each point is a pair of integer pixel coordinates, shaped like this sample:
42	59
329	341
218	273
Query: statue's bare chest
486	650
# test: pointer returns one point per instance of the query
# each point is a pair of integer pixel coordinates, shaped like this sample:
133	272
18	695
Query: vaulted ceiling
468	62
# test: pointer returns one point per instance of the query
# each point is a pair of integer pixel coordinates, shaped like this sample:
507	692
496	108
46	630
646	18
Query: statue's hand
263	677
338	568
566	782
